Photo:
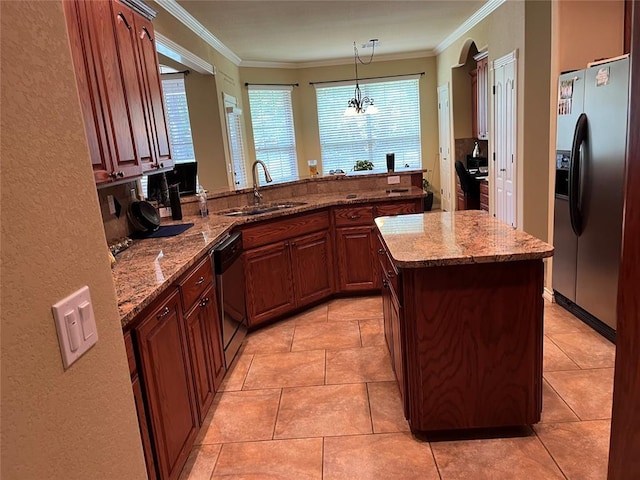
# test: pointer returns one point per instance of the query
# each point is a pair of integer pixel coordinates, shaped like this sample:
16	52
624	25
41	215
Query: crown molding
335	62
180	54
469	23
172	7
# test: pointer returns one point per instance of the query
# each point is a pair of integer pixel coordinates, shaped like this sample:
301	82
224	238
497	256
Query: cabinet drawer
195	283
131	357
349	216
283	229
398	208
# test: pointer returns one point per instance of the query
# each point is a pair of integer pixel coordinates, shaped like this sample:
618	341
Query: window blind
236	147
394	129
178	124
273	131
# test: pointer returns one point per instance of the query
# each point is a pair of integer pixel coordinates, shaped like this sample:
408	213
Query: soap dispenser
476	151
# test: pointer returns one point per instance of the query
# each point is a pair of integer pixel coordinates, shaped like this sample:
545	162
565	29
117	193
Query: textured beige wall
305	108
525	27
80	423
589	31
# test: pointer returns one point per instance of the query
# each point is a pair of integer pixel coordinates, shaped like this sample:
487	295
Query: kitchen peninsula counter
149	266
463	319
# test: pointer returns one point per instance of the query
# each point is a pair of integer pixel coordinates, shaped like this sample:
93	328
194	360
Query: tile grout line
244	379
366	387
322	461
563	401
550	454
568	356
275	420
435	462
325	367
215	464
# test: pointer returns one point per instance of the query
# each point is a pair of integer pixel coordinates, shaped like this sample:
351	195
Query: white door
504	134
444	129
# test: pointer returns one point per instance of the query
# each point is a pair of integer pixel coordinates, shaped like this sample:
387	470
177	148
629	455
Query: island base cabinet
167	375
473	337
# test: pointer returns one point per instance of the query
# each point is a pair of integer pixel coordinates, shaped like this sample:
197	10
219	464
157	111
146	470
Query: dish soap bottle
476	151
202	201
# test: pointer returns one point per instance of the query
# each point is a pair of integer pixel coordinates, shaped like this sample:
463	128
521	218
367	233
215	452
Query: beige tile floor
314	397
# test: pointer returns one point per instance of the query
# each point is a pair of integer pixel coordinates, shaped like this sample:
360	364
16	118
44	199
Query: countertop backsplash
118	227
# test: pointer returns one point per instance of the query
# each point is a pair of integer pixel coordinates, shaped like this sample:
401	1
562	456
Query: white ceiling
317	31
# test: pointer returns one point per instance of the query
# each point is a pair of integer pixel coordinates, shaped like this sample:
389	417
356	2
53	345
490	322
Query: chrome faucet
257	196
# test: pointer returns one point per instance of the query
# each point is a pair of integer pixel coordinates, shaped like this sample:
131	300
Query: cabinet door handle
124	20
385	284
164	313
380	251
200	281
204	302
390	273
120	173
146	32
353	217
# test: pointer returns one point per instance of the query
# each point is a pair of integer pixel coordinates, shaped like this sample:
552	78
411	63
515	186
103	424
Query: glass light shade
350	111
371	110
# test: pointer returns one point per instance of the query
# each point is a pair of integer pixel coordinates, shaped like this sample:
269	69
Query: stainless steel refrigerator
589	200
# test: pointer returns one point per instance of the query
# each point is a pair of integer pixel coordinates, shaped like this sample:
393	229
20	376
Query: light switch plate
76	325
392	180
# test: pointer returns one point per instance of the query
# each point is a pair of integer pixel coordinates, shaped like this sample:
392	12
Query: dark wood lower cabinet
286	275
208	368
269	277
144	428
356	263
312	261
166	368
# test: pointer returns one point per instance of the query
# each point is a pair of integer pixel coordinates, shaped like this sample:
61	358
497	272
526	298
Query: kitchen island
463	312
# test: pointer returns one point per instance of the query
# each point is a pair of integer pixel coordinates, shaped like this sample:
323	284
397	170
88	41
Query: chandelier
357	104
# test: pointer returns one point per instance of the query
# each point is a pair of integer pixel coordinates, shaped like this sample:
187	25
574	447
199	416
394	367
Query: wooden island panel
473	335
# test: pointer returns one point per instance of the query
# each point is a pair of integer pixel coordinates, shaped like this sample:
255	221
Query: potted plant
427	201
363	165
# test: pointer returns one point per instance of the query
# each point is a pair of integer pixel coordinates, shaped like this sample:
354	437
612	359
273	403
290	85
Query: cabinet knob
390	273
385	284
380	251
503	169
164	313
293	244
113	175
161	165
204	302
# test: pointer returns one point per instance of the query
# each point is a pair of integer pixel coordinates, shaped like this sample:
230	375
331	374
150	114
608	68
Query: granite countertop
149	266
456	238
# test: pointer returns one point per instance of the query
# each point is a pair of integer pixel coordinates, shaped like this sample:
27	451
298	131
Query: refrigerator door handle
575	173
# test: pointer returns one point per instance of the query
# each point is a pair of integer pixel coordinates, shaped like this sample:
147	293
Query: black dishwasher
230	289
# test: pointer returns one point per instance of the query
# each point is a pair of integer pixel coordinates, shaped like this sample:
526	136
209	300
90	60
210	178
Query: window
273	134
178	124
175	100
395	129
236	142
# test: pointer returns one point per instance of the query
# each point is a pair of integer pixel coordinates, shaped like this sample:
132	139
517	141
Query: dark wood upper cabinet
119	88
152	85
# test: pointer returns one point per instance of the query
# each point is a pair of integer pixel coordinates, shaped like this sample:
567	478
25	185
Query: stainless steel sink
259	209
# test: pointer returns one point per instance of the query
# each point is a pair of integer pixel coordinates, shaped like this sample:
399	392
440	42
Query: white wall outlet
394	179
76	325
112	205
